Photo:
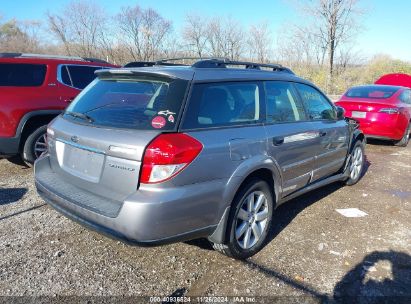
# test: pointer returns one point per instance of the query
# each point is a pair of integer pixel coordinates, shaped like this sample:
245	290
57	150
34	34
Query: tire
247	243
406	138
356	166
34	145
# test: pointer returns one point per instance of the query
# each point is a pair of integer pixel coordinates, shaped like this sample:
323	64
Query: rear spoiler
145	72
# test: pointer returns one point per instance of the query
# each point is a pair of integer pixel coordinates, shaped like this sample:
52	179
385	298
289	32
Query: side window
82	75
317	106
405	97
223	104
65	77
22	74
281	103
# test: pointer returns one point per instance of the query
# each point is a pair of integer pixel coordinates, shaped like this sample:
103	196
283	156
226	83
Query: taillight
389	110
167	155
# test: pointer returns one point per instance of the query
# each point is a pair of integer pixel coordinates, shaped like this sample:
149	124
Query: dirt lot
314	251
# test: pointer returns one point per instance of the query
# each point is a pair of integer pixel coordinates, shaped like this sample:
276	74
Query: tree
259	41
195	34
334	25
144	32
18	36
81	28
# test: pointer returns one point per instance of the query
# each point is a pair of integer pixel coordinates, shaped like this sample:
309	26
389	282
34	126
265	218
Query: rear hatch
359	108
359	101
98	143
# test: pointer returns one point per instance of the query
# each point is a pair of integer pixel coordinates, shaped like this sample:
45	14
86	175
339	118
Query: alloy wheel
356	163
252	219
40	145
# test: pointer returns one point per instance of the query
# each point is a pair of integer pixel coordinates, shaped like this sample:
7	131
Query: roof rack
217	62
44	56
223	63
209	62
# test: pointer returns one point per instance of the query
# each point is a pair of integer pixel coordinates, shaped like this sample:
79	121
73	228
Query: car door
333	136
292	140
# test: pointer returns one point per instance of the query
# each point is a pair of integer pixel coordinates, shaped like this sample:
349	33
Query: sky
386	25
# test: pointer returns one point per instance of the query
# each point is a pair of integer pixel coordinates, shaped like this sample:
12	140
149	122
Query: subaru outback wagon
162	154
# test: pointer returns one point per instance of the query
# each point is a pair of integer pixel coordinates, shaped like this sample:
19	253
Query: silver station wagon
170	152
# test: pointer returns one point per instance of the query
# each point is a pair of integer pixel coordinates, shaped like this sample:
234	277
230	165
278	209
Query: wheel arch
32	121
267	170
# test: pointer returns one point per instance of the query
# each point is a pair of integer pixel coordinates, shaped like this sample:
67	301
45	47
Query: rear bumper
381	125
145	217
9	146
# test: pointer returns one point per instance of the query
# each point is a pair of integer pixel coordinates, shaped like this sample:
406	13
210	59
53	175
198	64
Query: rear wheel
249	221
35	145
406	138
356	165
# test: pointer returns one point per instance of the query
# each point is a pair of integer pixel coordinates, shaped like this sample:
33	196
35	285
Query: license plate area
80	162
358	114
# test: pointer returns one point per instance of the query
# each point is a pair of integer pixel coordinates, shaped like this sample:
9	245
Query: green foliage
10	30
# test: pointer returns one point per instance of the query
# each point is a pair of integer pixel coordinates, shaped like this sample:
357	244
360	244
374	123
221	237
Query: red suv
33	90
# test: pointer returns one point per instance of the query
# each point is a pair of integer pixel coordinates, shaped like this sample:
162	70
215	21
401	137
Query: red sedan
383	111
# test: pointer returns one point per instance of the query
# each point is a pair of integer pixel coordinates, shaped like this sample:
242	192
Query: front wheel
356	164
249	221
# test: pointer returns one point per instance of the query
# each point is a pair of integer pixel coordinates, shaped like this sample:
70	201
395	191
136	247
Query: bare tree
235	38
20	36
334	24
143	32
259	41
80	27
225	38
195	34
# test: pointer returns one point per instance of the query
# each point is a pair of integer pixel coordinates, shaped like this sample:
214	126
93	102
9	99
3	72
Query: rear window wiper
80	115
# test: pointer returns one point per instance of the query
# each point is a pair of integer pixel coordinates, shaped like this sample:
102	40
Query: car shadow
379	142
381	276
286	212
11	195
17	160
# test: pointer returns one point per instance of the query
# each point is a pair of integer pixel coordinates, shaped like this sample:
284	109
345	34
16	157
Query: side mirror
340	113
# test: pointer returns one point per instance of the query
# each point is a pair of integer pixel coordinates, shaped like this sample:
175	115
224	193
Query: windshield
131	103
371	92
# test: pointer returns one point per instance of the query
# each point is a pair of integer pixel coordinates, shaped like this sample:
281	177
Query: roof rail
139	64
223	63
9	55
44	56
166	60
218	62
91	59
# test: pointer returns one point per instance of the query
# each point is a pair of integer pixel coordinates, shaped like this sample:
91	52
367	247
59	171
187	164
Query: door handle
277	141
68	100
323	133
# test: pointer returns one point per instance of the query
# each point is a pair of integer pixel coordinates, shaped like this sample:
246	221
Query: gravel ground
314	251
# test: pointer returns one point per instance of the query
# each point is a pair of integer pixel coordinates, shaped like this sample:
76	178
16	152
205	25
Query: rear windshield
22	75
371	92
131	103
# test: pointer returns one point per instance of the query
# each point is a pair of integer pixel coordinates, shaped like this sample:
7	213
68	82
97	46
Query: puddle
401	194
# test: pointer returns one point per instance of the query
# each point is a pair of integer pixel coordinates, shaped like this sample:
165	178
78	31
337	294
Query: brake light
389	110
167	155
